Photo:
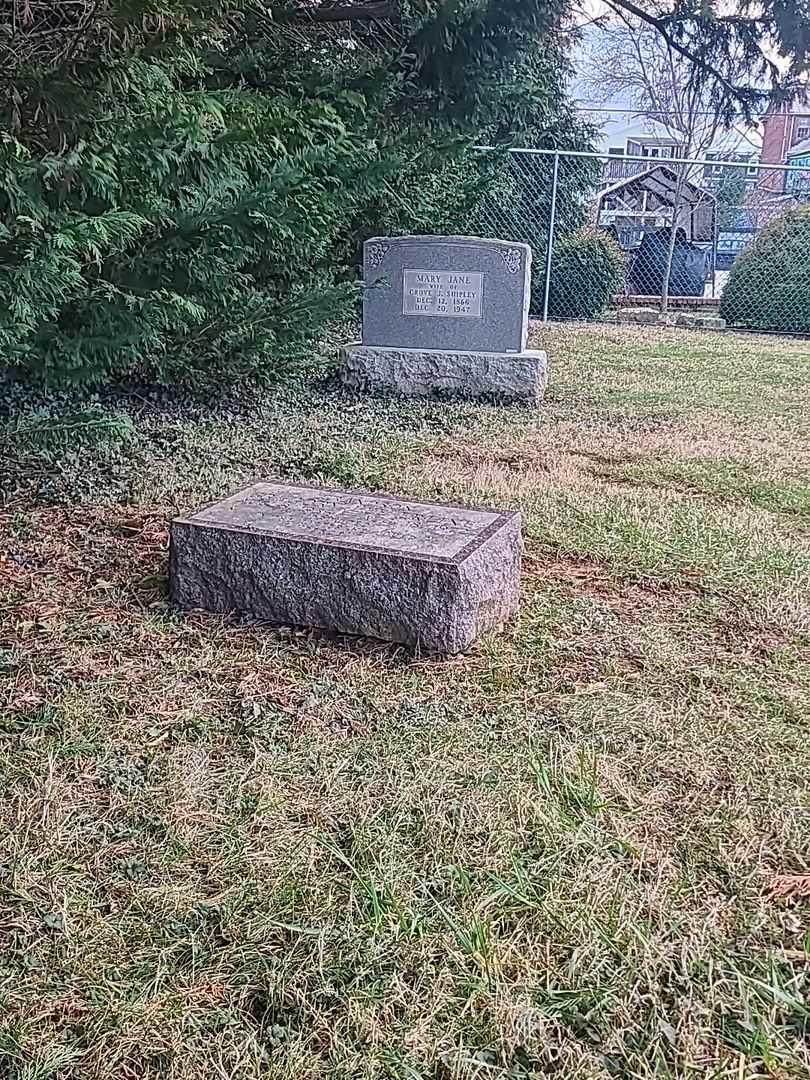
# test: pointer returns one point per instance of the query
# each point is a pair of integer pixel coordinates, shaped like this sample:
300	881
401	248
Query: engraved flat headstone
430	576
446	314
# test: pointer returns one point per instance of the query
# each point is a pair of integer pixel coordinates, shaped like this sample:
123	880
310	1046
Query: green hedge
586	273
769	284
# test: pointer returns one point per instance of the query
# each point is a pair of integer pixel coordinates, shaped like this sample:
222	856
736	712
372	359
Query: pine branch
742	95
663	25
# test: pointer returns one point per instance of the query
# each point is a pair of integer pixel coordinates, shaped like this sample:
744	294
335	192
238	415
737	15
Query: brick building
782	129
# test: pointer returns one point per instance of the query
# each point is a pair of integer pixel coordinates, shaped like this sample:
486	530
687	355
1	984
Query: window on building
802	132
616	151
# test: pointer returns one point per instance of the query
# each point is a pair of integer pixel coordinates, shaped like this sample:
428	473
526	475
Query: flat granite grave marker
446	314
430	576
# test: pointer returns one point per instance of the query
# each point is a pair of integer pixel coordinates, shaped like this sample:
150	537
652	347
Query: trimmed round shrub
587	269
769	284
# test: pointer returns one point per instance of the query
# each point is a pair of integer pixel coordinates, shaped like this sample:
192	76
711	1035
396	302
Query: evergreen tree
184	183
185	187
151	224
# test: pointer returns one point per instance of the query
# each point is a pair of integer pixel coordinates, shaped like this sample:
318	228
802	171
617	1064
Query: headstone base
425	372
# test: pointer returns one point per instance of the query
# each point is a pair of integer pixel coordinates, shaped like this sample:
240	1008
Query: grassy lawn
583	850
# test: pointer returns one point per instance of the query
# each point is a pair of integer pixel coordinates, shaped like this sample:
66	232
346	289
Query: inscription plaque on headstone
443	292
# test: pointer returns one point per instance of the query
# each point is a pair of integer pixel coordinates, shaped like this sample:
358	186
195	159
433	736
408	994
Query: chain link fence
712	243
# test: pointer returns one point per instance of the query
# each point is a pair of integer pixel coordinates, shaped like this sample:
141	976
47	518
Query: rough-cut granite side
429	605
492	576
424	372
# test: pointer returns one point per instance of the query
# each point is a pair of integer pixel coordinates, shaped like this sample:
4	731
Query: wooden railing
624	170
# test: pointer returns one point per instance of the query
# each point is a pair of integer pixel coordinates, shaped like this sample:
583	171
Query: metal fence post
551	223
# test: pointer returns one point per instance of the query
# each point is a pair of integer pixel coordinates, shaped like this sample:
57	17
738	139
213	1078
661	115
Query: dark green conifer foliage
183	190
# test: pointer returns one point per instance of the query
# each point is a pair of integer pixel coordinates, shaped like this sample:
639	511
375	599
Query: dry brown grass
580	851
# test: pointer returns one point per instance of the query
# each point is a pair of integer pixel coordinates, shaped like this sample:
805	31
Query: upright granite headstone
446	314
434	577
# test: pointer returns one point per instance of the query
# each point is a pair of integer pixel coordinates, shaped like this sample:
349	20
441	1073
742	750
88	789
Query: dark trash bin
687	276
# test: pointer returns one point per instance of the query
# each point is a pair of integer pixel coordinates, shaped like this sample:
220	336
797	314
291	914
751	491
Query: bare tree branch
319	13
662	25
